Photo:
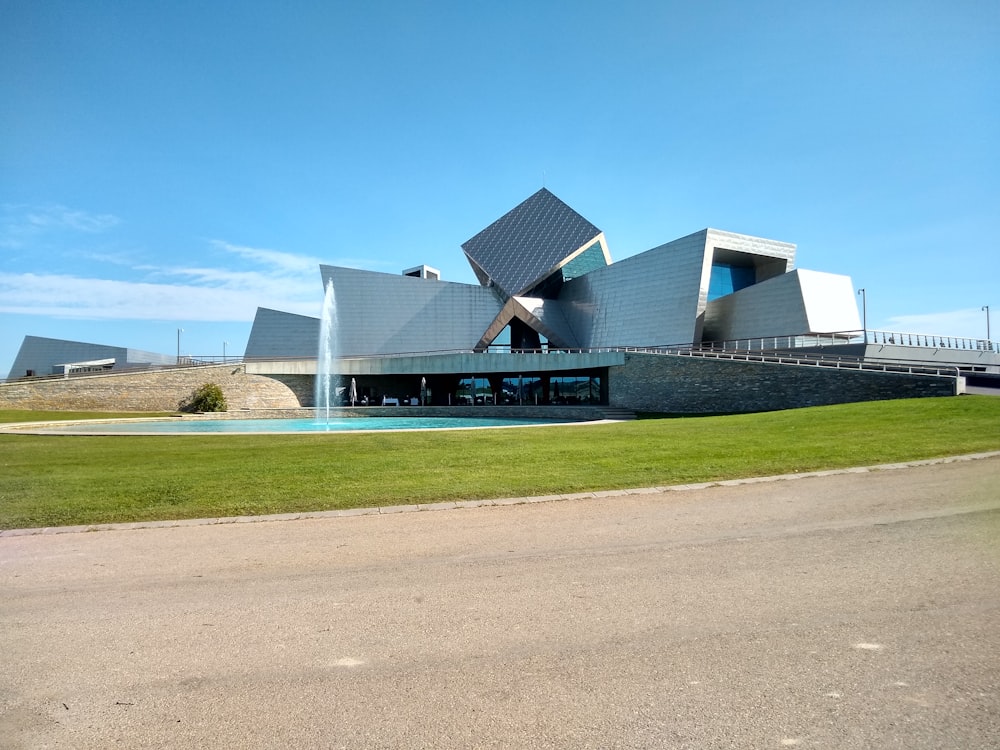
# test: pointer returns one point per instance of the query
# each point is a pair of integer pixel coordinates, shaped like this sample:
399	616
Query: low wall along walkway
684	385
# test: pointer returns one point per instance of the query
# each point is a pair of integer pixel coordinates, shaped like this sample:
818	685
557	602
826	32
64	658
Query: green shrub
208	397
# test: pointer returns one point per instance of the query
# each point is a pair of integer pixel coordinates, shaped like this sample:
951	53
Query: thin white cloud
21	223
285	281
226	278
125	259
64	296
60	217
264	277
276	259
292	262
967	323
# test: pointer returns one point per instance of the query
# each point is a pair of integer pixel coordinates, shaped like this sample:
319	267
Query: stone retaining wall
151	390
689	385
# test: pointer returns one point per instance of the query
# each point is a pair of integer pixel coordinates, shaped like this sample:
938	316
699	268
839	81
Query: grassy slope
48	481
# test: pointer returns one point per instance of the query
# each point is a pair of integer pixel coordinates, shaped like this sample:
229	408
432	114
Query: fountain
327	359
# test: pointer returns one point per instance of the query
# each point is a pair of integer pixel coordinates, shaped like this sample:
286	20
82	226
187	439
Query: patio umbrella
352	395
423	391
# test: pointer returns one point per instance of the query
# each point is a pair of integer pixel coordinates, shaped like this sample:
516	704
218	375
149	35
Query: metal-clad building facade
547	281
547	284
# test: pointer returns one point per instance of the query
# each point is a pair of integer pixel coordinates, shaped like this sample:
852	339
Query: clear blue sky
170	165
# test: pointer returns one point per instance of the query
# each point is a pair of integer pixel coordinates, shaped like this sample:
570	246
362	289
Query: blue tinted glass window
589	260
727	278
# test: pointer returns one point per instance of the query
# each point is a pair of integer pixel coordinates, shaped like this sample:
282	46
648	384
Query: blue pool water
230	426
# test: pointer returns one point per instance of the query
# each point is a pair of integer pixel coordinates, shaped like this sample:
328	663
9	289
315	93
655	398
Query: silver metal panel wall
745	243
798	302
140	357
380	313
770	308
647	300
282	334
40	355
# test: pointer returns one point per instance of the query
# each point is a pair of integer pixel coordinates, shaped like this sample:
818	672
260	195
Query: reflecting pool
284	426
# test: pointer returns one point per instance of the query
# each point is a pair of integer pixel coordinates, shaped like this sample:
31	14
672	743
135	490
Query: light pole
988	339
224	351
864	312
179	332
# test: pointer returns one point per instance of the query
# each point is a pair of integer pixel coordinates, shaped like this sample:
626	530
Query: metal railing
195	360
785	341
821	360
779	349
933	341
185	362
839	338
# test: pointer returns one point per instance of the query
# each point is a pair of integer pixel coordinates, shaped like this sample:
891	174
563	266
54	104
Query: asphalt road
860	610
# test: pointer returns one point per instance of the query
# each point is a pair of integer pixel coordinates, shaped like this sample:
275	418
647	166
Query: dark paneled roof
526	244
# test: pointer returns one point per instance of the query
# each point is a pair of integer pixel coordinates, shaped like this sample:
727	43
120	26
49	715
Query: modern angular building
710	322
553	319
40	356
547	283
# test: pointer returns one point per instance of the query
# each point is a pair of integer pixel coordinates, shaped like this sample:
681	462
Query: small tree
208	397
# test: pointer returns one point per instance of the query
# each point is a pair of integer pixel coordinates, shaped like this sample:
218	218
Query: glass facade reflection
528	390
727	278
573	390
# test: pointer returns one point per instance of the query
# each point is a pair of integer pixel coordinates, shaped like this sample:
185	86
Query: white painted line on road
348	662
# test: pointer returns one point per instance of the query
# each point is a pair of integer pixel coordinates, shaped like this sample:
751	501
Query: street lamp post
864	312
224	351
179	332
988	339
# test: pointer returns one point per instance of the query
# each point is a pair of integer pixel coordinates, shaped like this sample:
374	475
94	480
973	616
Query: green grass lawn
69	480
8	416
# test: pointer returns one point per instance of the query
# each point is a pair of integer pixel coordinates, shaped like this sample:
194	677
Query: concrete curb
458	504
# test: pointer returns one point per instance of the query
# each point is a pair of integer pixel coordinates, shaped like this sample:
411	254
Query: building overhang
458	363
88	366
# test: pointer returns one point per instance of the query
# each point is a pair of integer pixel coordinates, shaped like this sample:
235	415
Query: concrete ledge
451	505
580	496
399	509
475	503
347	512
